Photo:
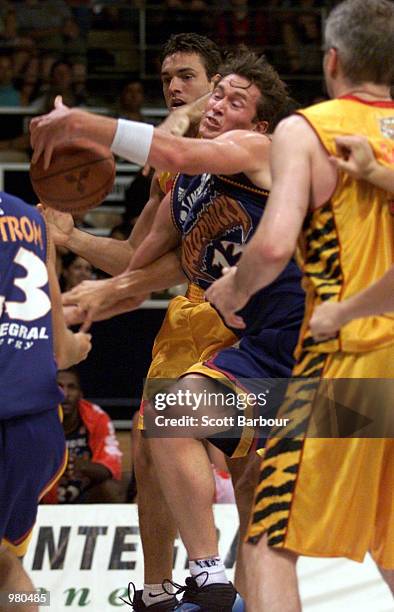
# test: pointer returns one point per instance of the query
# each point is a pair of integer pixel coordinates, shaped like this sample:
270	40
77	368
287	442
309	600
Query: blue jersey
27	364
217	215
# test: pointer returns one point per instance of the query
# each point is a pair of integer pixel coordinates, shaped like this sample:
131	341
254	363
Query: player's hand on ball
227	298
47	131
326	320
61	224
354	156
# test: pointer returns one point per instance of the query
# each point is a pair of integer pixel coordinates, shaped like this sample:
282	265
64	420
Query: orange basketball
79	177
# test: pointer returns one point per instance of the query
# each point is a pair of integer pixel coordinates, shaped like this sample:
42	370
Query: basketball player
32	336
189	66
248	96
327	497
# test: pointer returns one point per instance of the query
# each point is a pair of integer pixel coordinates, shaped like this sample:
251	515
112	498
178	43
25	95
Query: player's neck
367	91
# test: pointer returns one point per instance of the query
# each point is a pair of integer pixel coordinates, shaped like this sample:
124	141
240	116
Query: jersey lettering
36	303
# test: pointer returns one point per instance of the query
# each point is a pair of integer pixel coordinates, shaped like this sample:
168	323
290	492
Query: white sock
213	566
157	591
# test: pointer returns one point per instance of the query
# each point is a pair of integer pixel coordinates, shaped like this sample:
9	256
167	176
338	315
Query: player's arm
377	299
356	157
237	151
107	254
274	242
162	238
146	272
69	348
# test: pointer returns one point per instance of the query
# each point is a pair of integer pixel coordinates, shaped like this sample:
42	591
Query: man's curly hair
258	71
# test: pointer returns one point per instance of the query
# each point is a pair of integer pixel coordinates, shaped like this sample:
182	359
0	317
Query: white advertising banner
85	556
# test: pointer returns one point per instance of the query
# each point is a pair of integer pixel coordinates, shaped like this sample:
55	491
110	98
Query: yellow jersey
348	243
166	181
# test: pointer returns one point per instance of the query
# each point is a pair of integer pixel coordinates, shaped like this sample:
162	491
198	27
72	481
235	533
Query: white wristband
132	141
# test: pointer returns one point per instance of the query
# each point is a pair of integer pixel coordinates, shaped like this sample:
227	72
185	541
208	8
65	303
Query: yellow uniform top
166	180
348	243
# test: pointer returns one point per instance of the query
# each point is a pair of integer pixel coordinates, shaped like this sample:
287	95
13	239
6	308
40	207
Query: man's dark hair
194	43
72	370
362	31
59	62
274	98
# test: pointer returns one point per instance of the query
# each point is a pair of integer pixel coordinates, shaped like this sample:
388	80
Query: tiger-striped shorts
330	494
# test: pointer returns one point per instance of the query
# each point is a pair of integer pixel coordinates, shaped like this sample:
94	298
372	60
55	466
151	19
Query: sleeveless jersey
217	215
27	365
348	243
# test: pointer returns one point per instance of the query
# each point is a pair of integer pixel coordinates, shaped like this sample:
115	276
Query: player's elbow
277	251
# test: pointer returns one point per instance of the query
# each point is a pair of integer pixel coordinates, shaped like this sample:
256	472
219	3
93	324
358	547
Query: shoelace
132	601
191	584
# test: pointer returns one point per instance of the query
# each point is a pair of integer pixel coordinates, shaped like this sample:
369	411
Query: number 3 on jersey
36	303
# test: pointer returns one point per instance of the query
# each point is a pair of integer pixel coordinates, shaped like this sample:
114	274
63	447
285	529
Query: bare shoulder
295	130
253	142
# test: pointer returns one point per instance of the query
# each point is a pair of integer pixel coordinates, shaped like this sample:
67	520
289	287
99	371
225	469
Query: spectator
61	83
131	100
9	96
42	20
302	38
74	45
94	461
11	149
82	12
23	47
75	269
239	25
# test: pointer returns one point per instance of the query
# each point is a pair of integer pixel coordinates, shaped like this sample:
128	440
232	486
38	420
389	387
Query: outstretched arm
141	143
377	299
147	271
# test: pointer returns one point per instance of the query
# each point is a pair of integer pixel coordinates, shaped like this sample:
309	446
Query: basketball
79	177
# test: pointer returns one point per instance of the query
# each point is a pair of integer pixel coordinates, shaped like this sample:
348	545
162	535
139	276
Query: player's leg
244	474
13	579
382	548
24	476
156	522
271	580
186	478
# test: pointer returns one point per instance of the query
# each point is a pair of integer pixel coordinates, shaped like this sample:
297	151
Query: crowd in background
74	46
